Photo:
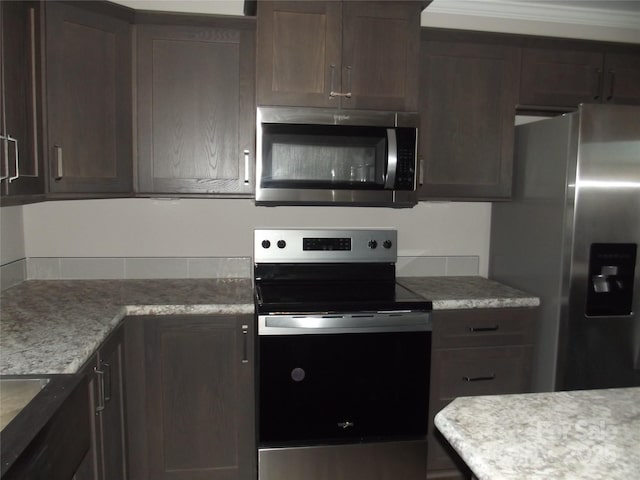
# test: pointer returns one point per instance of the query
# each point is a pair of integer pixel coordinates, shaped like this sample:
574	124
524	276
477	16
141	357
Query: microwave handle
392	159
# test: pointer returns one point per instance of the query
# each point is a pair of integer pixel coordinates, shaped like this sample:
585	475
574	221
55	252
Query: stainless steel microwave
329	157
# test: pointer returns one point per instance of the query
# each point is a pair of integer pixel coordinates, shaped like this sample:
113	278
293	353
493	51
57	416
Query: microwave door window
324	161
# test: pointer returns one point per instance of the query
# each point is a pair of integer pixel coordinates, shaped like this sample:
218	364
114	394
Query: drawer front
481	371
472	371
483	327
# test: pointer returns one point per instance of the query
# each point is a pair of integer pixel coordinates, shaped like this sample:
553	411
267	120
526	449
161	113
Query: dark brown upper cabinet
196	107
622	78
89	99
469	91
20	104
569	74
352	55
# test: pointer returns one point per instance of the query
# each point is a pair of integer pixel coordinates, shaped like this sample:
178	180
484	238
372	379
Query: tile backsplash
93	268
437	266
137	267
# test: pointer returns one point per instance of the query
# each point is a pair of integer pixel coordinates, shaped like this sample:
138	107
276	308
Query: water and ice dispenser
611	273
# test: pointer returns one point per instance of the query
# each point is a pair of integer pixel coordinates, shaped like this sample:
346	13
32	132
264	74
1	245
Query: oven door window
343	388
323	157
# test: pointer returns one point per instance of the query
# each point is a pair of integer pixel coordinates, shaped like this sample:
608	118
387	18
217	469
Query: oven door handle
344	323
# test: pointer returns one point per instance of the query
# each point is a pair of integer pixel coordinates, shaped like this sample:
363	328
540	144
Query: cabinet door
380	55
299	53
196	109
89	100
622	78
111	408
58	449
560	78
191	405
22	159
467	108
105	379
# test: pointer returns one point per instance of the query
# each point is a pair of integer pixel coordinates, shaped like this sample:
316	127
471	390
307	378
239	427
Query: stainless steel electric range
343	358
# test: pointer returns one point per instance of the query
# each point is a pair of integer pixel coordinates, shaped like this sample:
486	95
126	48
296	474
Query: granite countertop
53	327
586	435
449	293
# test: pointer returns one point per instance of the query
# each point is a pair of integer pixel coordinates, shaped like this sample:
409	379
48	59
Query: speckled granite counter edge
485	303
585	434
45	366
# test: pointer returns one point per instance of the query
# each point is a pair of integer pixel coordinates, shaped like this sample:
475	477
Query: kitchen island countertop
585	435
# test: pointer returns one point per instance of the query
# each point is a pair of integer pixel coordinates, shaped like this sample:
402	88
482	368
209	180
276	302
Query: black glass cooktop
336	296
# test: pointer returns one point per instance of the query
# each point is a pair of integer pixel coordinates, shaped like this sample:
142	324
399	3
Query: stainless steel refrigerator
571	236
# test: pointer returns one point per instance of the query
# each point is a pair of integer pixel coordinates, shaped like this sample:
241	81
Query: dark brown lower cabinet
57	451
190	397
106	459
475	352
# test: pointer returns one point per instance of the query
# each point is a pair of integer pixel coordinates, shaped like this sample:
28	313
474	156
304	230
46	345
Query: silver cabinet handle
245	340
348	94
106	392
612	82
332	81
246	167
15	143
5	150
392	158
59	164
480	379
332	92
100	375
599	75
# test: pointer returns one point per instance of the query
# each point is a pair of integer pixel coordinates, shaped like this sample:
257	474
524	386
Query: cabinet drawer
487	327
481	371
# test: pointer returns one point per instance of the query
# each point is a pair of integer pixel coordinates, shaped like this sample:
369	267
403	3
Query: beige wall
189	227
224	227
12	245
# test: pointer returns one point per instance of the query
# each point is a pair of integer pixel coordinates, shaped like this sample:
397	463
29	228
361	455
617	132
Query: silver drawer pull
479	379
484	329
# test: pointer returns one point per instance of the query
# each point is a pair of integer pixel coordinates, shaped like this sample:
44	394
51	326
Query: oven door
337	388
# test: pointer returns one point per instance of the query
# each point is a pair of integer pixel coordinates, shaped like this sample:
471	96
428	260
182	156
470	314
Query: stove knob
266	243
373	244
387	244
281	244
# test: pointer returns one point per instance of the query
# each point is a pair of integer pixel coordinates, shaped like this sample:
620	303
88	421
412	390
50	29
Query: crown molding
541	11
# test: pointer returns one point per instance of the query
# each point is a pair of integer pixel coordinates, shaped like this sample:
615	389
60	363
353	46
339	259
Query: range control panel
325	246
